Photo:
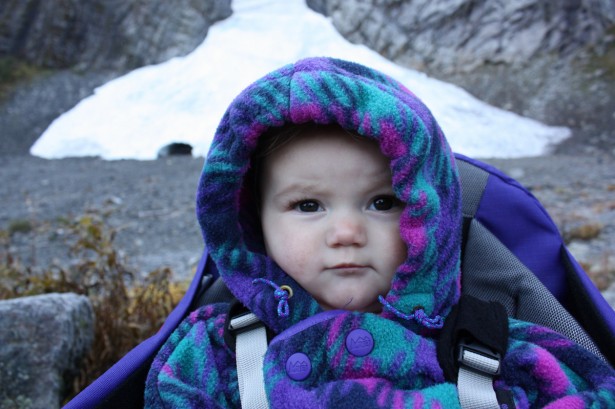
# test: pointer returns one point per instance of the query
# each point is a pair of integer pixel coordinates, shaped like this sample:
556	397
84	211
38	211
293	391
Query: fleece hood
424	175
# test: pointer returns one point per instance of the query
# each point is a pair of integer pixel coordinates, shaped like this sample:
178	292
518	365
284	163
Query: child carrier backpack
512	253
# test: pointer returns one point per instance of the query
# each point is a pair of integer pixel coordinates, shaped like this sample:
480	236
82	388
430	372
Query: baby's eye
307	206
384	203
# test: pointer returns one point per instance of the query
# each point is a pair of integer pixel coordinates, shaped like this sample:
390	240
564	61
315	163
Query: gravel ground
151	205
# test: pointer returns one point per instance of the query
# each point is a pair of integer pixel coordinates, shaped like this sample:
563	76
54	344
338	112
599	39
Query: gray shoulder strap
478	367
250	349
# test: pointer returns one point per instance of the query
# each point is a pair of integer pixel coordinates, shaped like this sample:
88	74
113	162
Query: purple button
359	342
298	366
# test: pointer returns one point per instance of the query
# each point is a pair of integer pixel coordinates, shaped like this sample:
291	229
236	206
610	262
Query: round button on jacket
359	342
298	366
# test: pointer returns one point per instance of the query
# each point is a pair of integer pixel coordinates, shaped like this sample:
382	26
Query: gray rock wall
459	35
42	342
82	44
550	60
105	34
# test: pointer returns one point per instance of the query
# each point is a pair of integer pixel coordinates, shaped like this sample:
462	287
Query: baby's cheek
297	260
297	254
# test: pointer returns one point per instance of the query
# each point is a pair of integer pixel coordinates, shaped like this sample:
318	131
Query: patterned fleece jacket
196	369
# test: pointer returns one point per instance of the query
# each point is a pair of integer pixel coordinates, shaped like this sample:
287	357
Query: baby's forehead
317	146
326	159
276	137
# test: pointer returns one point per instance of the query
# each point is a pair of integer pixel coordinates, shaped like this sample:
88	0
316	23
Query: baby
330	204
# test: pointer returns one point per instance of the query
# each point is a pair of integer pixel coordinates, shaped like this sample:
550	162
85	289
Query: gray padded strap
493	273
250	349
473	182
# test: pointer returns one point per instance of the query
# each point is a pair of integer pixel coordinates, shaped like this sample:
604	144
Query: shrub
128	309
13	71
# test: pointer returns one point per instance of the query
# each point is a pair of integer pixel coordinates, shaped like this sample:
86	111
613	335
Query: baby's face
330	218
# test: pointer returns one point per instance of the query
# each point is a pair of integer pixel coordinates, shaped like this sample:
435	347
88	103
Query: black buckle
480	349
236	309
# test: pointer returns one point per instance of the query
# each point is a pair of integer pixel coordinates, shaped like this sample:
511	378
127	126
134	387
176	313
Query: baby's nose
346	231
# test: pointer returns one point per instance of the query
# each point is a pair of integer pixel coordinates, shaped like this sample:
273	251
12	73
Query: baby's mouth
348	269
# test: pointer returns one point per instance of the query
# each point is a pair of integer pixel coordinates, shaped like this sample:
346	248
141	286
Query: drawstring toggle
280	294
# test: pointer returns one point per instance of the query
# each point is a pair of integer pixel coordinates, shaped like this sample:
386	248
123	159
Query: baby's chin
353	305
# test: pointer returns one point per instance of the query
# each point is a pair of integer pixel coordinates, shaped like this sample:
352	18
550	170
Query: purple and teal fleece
196	369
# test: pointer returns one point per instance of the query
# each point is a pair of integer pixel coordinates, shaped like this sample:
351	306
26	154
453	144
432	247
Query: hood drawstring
418	315
280	294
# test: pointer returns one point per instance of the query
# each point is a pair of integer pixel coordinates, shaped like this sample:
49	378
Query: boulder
42	342
175	149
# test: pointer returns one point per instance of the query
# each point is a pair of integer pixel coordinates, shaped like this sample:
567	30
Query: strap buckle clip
479	357
244	322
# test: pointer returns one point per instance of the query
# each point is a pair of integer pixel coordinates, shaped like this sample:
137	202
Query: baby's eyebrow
299	187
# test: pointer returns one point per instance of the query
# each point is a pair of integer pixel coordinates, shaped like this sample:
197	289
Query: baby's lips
347	265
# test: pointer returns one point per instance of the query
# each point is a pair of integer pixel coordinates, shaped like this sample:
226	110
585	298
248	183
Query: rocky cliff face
105	34
80	45
553	61
461	35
